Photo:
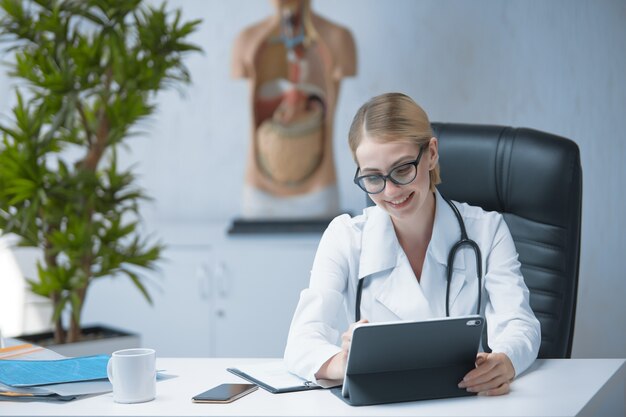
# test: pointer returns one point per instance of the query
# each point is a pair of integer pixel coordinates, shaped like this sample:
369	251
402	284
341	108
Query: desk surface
563	387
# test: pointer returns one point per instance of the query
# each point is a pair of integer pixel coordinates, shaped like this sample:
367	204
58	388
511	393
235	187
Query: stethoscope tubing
463	241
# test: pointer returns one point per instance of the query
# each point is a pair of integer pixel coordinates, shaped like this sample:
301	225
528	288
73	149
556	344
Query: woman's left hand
493	375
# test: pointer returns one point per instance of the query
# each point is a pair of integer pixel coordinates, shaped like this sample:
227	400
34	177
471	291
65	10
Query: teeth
396	202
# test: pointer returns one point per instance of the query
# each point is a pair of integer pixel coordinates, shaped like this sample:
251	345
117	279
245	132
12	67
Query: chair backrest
535	180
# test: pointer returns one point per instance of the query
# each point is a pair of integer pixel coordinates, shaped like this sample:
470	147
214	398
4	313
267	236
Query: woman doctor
400	248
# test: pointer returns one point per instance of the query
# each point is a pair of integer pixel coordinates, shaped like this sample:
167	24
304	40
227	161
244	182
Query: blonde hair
393	117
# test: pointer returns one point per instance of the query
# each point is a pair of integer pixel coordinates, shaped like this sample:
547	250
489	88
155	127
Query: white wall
556	66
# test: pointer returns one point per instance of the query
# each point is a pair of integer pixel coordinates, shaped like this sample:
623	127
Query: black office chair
535	180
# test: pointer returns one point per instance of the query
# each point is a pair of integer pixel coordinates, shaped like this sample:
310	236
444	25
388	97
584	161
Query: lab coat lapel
402	294
446	232
399	292
379	245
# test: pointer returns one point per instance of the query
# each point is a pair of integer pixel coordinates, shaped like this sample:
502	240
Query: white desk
565	387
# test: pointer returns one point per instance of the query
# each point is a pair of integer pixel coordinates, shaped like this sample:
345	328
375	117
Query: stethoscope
464	241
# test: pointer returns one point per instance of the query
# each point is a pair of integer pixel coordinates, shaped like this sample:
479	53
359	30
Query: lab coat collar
380	246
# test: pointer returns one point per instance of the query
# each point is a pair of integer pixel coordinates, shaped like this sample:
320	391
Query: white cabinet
257	285
178	323
214	295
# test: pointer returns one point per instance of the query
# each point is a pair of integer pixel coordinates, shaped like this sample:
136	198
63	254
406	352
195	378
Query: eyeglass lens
402	175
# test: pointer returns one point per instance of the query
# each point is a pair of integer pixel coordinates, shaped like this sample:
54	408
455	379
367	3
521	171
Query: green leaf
136	280
92	69
21	189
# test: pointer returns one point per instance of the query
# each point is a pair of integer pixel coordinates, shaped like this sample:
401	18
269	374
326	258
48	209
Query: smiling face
381	156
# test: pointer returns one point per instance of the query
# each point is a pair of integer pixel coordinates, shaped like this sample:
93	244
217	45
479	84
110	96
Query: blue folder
30	373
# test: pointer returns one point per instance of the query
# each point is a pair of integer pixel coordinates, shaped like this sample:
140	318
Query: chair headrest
533	174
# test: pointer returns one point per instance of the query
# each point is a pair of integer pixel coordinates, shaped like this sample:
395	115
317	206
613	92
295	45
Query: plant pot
96	340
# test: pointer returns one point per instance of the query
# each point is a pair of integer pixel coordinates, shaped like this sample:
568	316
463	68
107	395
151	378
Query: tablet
407	361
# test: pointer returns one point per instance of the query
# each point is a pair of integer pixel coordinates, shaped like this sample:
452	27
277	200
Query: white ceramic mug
133	375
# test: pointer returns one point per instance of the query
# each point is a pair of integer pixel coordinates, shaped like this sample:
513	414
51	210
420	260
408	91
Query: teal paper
19	373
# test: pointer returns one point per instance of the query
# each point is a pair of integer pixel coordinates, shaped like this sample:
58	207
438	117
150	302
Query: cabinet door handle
203	275
223	280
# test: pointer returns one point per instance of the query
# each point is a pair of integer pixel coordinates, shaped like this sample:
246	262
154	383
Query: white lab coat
367	246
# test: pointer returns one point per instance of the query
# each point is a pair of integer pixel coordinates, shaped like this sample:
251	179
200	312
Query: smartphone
224	393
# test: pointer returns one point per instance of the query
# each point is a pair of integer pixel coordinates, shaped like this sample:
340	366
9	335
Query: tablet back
407	361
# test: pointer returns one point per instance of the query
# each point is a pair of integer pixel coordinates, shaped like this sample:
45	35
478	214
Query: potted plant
89	71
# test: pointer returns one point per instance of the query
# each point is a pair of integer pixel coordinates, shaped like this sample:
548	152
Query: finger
501	390
503	361
481	369
487	371
485	377
346	337
480	358
345	344
489	385
480	380
353	325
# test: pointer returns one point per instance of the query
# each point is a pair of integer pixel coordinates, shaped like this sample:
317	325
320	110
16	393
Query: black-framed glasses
401	175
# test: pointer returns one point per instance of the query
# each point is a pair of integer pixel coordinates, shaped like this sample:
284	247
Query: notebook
274	377
408	361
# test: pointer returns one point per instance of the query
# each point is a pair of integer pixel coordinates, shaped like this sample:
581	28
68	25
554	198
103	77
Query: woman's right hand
335	367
